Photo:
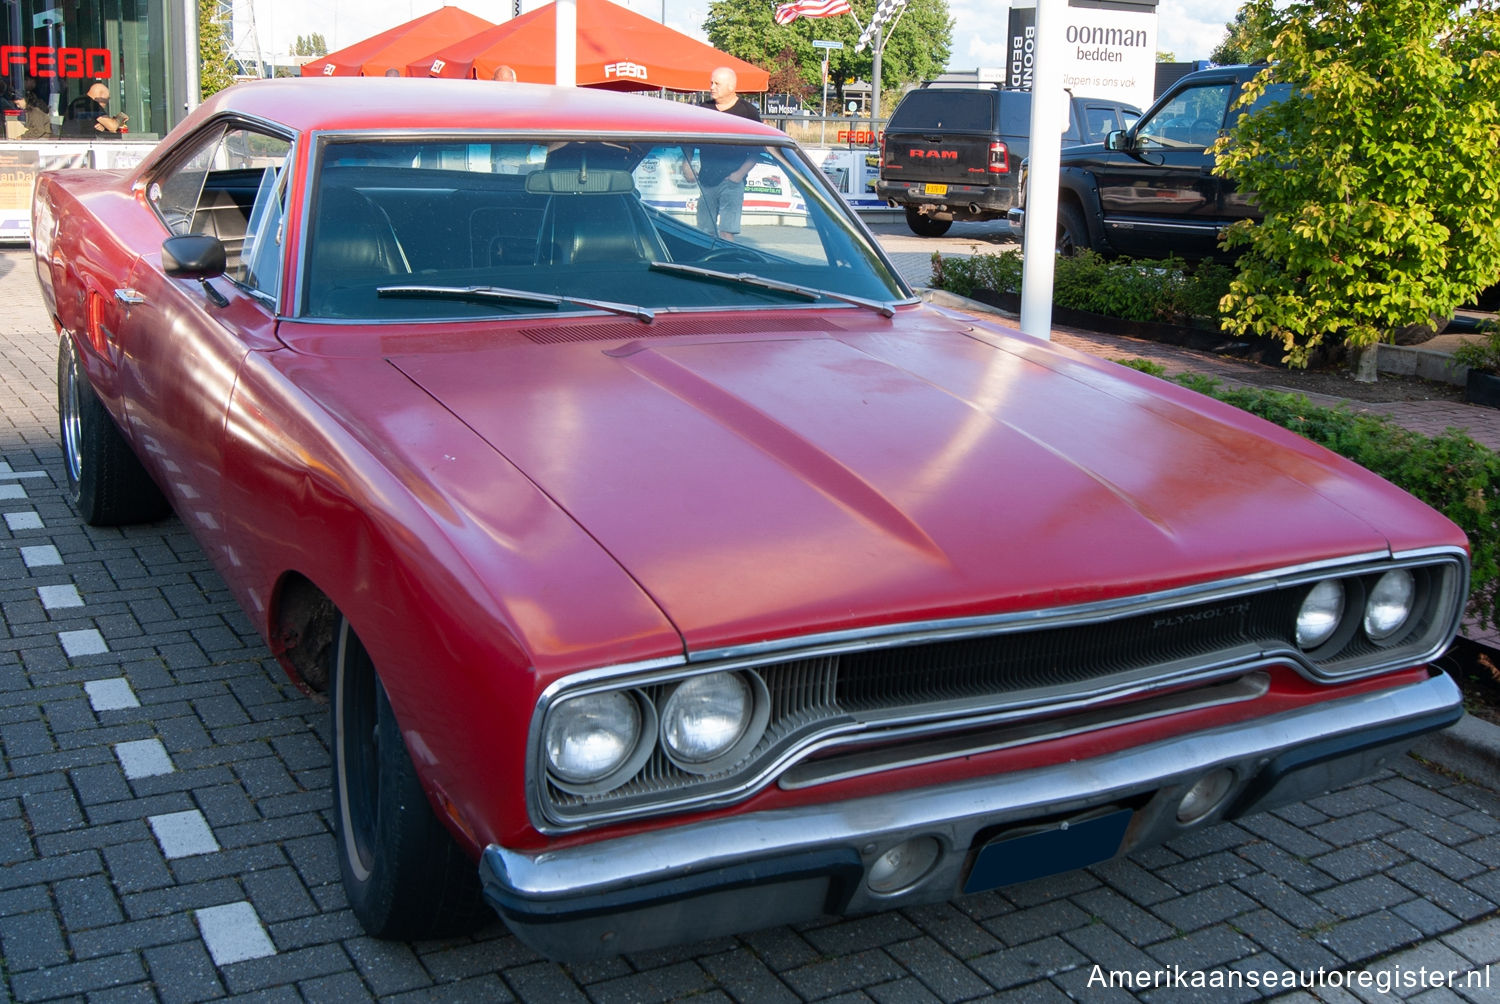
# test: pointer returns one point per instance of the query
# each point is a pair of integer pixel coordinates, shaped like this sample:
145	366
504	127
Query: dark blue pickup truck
1149	190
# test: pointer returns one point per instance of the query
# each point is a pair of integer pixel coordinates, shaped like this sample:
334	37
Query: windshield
575	221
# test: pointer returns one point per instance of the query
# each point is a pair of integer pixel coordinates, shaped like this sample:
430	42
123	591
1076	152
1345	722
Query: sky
1190	29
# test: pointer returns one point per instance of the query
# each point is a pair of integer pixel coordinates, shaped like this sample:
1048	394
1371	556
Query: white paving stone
57	597
12	492
143	758
23	521
111	695
86	642
233	933
183	834
40	555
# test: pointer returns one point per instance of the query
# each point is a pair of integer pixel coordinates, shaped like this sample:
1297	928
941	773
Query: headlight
1390	604
710	717
1320	614
591	738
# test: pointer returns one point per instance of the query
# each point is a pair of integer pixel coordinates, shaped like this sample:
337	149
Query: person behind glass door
88	115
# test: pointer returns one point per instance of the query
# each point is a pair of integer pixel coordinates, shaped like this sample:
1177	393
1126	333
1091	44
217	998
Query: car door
182	340
1158	192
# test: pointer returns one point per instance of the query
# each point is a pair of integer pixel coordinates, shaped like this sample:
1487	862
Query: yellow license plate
935	189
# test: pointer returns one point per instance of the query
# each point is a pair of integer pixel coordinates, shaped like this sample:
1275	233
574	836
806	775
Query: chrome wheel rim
72	423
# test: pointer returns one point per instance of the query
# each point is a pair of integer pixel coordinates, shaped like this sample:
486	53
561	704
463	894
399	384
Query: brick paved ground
164	831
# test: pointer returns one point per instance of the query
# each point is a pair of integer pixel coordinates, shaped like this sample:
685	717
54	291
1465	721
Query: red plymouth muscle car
663	585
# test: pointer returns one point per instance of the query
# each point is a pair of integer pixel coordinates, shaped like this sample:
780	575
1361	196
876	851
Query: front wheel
925	226
106	481
404	875
1072	232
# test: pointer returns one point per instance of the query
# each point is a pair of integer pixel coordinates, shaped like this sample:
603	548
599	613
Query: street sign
819	43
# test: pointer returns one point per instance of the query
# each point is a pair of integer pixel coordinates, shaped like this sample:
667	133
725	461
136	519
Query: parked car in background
954	152
1149	190
662	586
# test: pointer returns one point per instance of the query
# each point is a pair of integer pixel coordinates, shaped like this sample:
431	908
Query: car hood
761	484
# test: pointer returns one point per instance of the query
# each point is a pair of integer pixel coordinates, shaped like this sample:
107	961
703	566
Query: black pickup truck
954	152
1149	190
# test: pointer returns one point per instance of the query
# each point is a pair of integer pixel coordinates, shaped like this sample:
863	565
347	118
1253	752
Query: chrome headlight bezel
636	748
1321	615
750	729
1393	600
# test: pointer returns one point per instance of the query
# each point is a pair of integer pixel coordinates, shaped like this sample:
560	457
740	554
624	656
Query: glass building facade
56	49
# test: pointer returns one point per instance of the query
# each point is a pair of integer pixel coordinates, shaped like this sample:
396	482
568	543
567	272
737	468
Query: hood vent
623	331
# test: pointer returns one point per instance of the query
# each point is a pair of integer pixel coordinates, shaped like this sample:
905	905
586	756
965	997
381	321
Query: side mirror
193	256
1118	139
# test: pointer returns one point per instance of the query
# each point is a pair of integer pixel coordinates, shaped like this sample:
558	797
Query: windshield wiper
503	295
760	282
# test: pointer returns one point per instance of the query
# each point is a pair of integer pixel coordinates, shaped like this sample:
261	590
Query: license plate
1008	860
935	189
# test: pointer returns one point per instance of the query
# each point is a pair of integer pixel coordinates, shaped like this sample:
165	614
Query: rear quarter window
965	111
1015	113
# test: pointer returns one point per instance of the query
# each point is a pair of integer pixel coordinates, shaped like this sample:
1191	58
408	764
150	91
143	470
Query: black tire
106	481
404	875
1072	232
925	226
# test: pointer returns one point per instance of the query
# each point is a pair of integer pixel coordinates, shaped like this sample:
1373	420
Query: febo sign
45	61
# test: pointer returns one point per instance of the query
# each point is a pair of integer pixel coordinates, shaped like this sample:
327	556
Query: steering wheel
731	253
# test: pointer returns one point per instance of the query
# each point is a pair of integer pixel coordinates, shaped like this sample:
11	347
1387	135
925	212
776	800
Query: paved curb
1471	747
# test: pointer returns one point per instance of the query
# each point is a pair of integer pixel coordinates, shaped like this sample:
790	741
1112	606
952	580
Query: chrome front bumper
740	873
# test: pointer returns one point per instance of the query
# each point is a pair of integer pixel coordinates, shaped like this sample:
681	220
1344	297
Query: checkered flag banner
788	12
884	13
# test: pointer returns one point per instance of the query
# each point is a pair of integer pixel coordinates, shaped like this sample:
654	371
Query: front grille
852	689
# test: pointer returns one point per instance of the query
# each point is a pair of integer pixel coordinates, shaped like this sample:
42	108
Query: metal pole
823	125
1048	119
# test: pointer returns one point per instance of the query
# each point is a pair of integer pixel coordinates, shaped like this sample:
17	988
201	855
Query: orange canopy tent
617	49
395	47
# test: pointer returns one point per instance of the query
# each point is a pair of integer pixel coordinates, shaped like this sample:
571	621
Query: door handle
129	296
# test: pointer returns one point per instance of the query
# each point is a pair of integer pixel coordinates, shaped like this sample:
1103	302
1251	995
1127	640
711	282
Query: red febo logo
45	61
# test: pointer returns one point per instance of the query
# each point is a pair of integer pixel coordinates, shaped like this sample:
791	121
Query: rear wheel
404	875
1072	232
925	226
106	482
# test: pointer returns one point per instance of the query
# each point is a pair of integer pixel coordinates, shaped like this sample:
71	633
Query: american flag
788	12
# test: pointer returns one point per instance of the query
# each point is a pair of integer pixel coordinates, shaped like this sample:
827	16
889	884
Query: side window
1191	120
1271	95
1071	136
1101	122
259	266
228	185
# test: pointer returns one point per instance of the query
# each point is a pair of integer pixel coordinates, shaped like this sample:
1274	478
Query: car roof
370	103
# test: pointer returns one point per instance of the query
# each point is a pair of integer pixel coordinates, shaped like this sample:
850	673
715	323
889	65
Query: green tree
1247	39
787	76
216	68
1377	177
311	45
917	50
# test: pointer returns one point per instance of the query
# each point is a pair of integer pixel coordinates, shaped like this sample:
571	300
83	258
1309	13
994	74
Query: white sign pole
1049	117
567	43
827	47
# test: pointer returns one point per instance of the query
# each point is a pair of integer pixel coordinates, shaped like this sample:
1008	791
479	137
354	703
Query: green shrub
1450	472
1000	273
1166	290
